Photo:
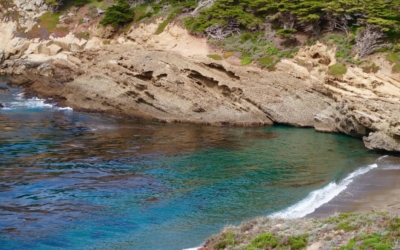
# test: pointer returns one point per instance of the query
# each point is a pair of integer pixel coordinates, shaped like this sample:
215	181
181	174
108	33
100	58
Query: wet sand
378	190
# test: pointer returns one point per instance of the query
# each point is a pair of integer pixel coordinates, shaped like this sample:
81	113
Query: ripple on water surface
69	179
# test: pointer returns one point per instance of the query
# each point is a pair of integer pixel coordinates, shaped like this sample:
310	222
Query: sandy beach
378	190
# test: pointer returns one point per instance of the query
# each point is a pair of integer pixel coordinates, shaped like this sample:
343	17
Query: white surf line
194	248
33	103
319	197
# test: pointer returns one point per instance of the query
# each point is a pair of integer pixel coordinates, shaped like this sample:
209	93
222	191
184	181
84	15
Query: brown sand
378	190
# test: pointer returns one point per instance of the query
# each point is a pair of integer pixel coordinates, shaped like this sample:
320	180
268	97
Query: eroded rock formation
163	78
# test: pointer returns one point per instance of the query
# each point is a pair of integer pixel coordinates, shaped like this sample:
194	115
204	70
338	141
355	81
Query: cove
86	181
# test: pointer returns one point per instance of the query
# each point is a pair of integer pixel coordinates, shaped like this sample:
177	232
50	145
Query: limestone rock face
364	105
31	5
70	43
382	141
168	87
162	78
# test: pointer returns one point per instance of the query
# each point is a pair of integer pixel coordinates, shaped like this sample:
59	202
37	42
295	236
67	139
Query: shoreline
356	217
375	191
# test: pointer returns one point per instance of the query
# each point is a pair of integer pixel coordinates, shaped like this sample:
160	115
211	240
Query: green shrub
49	21
346	226
337	70
393	57
245	37
142	12
371	69
118	14
80	2
286	33
266	61
263	241
396	68
174	13
215	57
246	61
343	44
373	241
228	54
162	27
227	239
349	246
298	242
83	35
271	49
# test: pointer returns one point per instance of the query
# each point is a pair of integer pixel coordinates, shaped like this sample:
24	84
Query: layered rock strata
168	78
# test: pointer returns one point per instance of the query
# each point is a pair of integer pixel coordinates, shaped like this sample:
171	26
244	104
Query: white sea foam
321	196
65	108
32	103
193	248
388	165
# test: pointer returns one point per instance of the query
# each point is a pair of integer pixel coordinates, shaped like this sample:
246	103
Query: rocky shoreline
141	75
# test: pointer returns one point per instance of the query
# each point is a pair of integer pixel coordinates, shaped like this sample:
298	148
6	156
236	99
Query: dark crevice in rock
258	106
162	76
225	90
316	55
131	94
145	76
222	69
141	100
198	77
150	95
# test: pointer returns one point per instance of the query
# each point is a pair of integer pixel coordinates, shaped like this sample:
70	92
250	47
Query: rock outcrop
365	104
162	78
168	87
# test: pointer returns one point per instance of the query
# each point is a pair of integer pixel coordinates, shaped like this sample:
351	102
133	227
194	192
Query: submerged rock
4	89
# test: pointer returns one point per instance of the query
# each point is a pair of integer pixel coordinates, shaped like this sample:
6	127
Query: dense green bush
80	2
118	14
337	70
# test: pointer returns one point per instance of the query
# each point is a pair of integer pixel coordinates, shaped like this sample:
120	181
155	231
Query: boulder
54	49
70	43
381	141
16	48
104	32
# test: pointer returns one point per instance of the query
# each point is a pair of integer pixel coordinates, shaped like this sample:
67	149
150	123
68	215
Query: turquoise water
86	181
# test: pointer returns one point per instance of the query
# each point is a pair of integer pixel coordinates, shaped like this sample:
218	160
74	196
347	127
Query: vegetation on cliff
118	14
264	31
340	231
288	16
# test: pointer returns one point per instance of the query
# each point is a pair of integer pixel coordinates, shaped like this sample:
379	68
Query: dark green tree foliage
80	2
118	14
310	16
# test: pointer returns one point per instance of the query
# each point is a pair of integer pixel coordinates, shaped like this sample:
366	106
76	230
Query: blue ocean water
71	180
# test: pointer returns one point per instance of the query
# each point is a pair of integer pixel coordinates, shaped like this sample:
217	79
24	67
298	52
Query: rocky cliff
169	78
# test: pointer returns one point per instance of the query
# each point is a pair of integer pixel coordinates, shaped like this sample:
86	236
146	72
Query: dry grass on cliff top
340	231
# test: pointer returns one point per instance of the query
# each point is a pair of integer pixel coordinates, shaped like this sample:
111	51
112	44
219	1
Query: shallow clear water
85	181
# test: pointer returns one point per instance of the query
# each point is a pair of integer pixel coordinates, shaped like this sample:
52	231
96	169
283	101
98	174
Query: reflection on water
73	180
